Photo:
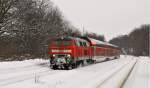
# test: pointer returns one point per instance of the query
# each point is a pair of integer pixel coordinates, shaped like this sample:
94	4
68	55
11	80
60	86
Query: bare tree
6	7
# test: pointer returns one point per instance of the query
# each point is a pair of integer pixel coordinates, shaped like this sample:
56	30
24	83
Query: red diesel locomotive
70	52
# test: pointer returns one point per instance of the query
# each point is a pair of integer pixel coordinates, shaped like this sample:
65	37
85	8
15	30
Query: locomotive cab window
77	43
84	44
63	43
80	43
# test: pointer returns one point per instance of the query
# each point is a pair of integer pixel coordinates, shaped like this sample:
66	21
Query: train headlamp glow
54	55
68	55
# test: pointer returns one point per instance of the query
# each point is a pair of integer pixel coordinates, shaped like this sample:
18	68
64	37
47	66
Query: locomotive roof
70	38
96	42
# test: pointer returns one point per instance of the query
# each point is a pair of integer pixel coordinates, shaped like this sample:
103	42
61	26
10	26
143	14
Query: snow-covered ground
140	76
111	74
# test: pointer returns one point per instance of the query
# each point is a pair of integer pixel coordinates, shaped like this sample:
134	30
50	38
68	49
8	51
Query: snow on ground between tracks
43	77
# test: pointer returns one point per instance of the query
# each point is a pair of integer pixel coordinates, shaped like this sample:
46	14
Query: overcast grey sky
107	17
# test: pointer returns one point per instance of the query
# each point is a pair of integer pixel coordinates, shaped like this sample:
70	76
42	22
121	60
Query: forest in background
135	43
28	26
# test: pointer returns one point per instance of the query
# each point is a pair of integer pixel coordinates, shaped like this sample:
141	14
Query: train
70	52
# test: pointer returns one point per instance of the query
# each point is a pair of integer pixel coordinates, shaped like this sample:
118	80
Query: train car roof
111	45
95	42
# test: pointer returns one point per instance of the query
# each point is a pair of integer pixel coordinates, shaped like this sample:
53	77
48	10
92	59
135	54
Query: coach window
77	43
80	43
87	44
83	43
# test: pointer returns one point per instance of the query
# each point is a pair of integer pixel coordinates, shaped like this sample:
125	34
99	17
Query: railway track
140	75
118	77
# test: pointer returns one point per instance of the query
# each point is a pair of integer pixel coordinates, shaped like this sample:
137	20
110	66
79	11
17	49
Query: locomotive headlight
68	55
54	55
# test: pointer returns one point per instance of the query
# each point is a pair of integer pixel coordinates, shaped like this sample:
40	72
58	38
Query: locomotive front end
61	53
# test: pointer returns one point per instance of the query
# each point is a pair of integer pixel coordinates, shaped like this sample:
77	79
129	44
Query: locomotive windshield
62	43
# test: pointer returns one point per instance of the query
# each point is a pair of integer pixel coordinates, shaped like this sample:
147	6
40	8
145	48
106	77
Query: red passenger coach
70	52
103	50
